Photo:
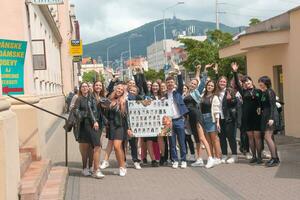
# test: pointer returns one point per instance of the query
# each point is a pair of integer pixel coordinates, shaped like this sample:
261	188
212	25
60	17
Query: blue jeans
178	132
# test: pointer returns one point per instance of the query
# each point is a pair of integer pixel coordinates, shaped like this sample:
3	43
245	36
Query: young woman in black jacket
269	118
90	129
251	113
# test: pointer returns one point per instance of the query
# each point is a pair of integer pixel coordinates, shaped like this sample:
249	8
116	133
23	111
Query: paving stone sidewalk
235	181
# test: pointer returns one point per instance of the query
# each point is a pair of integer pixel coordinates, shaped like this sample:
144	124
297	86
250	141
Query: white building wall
46	81
155	53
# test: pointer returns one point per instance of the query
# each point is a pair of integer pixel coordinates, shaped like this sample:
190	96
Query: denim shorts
209	125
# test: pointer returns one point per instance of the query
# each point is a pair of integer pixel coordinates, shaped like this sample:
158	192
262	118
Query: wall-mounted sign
75	47
47	2
12	56
77	58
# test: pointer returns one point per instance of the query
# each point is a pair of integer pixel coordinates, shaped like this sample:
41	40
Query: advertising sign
12	56
75	47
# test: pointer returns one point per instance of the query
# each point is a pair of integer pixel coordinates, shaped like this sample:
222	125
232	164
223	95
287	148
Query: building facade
49	73
272	48
156	53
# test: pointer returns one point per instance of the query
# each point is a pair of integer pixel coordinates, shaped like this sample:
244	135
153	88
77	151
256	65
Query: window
39	55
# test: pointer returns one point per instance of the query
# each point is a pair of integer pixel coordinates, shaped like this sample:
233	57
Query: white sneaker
210	163
232	160
104	165
266	154
224	158
86	172
98	174
175	165
198	163
137	165
217	161
192	158
183	165
248	156
202	146
122	171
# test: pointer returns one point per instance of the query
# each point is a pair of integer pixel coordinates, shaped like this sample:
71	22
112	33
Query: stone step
34	179
25	161
55	186
31	150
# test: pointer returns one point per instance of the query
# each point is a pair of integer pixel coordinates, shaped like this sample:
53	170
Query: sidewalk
236	181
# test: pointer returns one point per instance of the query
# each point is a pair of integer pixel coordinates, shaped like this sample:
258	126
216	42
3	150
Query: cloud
100	19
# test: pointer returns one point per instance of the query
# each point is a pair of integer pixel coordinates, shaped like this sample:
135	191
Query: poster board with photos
150	120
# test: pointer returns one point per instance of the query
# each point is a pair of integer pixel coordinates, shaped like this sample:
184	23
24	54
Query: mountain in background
97	50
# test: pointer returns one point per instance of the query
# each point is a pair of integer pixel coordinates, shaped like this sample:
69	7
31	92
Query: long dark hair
266	80
102	92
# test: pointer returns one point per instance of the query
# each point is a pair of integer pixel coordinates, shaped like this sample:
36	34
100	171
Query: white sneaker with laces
224	158
217	161
248	156
104	165
183	165
210	163
137	165
232	160
175	165
192	158
122	171
86	172
98	174
198	163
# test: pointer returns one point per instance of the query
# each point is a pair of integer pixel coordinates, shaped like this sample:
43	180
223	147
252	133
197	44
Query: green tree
153	75
254	21
92	76
207	52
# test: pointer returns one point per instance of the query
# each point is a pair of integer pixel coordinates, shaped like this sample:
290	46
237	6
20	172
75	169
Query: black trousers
134	150
189	143
228	131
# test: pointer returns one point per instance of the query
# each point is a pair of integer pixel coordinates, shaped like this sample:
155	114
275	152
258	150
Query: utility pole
217	15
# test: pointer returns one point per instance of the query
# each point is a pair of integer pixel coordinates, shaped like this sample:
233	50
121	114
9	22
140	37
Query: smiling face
193	84
155	88
98	87
222	83
119	90
210	86
131	83
163	87
149	85
262	86
133	91
84	89
248	84
170	84
185	89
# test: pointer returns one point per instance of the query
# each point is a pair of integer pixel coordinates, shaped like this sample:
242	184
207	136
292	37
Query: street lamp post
134	35
164	22
122	65
107	54
154	29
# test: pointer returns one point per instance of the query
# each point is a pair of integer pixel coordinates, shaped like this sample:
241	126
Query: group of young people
210	111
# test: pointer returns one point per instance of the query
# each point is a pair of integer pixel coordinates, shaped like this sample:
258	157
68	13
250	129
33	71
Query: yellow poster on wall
75	47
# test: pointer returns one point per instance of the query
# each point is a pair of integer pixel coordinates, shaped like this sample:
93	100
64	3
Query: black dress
195	115
251	118
87	107
269	111
117	124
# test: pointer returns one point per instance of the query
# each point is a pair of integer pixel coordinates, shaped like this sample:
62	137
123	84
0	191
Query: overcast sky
100	19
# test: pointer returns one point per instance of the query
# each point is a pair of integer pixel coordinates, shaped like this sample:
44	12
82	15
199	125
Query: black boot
253	160
154	163
273	162
162	160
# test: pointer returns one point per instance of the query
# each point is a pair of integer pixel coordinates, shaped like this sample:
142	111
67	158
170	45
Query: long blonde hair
118	101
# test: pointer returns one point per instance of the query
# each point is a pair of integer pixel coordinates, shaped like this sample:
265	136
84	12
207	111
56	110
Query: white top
221	97
176	113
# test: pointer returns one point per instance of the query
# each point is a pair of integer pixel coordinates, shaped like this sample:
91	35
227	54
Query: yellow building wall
291	80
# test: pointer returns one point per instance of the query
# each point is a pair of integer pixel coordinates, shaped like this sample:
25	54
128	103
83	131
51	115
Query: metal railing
51	113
